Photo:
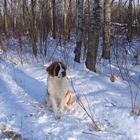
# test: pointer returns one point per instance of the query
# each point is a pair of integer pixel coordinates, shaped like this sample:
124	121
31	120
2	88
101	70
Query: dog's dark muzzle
63	74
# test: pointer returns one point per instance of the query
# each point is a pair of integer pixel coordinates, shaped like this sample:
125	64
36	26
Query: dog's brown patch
68	100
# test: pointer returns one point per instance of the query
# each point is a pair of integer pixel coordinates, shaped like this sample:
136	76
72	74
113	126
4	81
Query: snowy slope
22	91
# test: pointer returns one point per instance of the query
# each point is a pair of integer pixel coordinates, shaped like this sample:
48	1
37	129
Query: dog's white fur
58	96
60	71
57	87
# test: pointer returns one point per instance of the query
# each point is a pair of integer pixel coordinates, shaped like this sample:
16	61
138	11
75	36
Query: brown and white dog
58	96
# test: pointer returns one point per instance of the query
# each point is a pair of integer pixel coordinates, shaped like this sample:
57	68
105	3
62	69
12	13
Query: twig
90	133
110	102
89	114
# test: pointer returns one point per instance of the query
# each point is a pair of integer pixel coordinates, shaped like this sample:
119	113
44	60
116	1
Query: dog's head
57	69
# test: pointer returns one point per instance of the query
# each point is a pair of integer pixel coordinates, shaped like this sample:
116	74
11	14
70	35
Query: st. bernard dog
58	96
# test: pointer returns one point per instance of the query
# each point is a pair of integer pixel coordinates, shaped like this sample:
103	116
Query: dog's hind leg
68	101
48	102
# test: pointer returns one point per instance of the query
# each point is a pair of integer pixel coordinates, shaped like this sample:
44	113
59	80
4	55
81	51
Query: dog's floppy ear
50	69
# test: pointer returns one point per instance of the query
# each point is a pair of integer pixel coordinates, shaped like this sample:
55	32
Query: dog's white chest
57	86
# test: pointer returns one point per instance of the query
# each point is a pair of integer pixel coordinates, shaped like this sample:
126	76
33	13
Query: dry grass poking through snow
9	133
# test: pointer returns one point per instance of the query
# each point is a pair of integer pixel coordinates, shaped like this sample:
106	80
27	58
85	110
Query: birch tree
79	35
106	29
93	36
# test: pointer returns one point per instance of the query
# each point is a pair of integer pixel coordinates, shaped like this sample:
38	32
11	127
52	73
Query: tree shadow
34	88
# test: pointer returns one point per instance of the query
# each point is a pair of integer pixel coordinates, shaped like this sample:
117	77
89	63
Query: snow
22	92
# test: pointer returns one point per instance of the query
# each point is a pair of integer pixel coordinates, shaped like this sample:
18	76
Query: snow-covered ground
22	91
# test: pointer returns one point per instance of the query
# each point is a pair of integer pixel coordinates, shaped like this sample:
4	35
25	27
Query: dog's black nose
63	73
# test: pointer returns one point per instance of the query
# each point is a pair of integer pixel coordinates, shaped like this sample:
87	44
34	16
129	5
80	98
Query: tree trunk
69	19
79	35
86	28
53	19
33	32
0	17
65	20
93	36
24	5
106	29
5	17
130	8
33	6
14	15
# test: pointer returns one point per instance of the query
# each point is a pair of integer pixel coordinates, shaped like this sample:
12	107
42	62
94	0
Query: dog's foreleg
48	102
55	108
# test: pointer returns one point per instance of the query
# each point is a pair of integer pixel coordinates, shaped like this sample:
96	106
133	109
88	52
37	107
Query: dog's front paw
43	106
68	108
57	115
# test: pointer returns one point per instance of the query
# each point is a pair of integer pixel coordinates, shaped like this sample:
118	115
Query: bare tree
0	15
119	9
54	19
5	20
93	35
24	8
130	10
43	25
59	17
86	27
15	15
30	22
79	35
65	19
106	29
69	18
33	7
32	30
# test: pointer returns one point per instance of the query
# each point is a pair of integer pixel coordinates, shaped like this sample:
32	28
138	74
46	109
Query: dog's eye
63	67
